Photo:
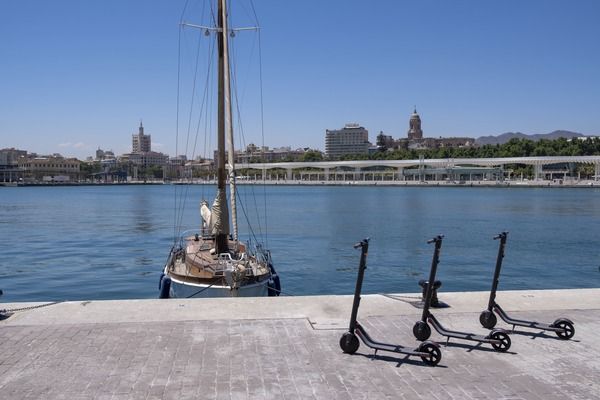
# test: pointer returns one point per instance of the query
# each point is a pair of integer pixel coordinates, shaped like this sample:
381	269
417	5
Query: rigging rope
262	124
180	205
201	290
242	140
262	233
177	122
177	211
203	111
13	310
183	198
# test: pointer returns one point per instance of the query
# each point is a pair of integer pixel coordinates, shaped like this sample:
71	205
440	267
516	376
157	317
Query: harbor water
111	242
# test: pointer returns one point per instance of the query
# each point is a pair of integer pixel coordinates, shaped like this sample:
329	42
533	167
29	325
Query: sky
78	75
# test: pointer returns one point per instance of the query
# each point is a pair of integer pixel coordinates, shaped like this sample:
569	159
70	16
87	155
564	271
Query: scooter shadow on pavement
398	360
540	335
471	347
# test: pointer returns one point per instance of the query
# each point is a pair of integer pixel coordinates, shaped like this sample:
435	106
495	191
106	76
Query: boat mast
222	224
229	123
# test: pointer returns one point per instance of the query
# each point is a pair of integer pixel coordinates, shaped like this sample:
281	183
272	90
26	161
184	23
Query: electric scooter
428	351
498	338
563	327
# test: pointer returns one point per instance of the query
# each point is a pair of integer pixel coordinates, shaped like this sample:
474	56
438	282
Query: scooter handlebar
435	239
361	243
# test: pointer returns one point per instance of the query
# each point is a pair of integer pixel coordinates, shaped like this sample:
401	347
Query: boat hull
183	290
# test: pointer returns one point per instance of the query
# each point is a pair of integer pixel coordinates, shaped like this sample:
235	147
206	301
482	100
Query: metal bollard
436	285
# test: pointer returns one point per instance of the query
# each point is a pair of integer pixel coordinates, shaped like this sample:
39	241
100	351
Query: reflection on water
111	242
141	212
143	261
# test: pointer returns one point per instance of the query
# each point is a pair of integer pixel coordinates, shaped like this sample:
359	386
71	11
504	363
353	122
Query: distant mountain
505	137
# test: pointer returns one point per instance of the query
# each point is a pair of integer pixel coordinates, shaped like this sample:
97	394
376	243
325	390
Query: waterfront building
142	154
350	140
182	168
253	153
416	141
179	160
146	159
103	155
177	167
141	143
457	170
54	168
421	144
108	163
455	142
10	157
266	154
385	142
9	164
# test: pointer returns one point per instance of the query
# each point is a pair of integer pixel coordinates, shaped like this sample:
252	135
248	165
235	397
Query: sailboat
212	261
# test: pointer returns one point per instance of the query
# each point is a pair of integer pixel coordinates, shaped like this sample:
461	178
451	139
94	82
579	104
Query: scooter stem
502	236
364	245
434	263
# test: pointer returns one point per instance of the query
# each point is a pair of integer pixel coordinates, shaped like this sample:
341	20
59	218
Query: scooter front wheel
434	354
487	319
503	343
568	330
421	330
349	343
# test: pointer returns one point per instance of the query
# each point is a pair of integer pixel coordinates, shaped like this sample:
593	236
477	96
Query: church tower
414	131
141	143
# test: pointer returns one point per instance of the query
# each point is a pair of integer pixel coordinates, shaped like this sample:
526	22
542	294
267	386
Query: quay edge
332	308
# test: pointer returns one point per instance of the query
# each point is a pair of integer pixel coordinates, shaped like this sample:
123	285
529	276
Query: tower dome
415	131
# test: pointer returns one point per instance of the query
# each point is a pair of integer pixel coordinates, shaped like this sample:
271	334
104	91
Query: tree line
513	148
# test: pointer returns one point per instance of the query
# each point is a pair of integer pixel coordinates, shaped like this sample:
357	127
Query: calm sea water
110	242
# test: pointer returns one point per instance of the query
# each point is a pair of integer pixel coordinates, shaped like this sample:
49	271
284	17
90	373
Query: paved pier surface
287	348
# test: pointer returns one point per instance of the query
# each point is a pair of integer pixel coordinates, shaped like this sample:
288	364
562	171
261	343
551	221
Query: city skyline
78	76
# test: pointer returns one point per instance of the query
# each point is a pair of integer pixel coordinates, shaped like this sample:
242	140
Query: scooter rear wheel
421	330
435	355
488	319
349	343
568	329
504	340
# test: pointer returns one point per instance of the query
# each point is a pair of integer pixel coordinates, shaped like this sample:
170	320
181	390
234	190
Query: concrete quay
287	348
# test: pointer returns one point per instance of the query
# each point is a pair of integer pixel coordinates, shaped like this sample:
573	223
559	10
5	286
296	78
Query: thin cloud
78	145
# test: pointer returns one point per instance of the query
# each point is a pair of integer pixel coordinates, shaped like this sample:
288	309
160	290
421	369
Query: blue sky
76	75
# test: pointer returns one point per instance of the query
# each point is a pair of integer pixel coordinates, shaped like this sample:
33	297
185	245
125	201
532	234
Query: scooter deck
456	334
521	322
364	336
